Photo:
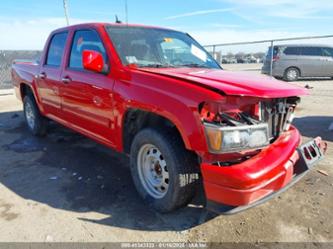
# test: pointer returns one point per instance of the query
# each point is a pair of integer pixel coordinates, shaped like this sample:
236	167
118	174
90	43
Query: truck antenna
117	20
126	12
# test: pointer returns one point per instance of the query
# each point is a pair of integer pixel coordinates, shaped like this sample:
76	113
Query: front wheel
164	172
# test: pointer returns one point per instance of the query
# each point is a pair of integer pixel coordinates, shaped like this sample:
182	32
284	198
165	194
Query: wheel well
25	90
299	71
136	120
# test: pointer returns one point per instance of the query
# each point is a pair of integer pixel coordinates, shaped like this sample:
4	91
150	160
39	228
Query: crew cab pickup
158	96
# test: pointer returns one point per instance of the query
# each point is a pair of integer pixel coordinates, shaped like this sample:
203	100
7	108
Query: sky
26	24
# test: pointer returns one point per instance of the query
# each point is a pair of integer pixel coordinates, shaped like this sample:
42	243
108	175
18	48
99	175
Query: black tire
182	168
39	125
291	74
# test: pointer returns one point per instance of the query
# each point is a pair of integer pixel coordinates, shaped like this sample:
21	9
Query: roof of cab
99	24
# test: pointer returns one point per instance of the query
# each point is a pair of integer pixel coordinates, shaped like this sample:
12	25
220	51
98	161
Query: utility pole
126	12
66	11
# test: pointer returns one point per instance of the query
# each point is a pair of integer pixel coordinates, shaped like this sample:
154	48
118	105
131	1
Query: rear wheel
291	74
36	123
164	172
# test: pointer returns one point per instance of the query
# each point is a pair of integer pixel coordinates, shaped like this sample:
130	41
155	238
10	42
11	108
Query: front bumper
276	168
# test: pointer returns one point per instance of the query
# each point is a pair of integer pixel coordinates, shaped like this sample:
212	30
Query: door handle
66	79
42	75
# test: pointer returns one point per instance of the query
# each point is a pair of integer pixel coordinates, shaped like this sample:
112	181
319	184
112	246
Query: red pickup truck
158	96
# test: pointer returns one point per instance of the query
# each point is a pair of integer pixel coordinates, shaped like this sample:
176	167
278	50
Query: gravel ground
65	187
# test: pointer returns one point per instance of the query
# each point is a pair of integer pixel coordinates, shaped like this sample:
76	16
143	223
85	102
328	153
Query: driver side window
327	52
85	40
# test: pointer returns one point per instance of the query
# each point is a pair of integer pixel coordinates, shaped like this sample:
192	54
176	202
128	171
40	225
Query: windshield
153	47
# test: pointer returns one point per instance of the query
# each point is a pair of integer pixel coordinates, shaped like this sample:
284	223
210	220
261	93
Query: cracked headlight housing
236	138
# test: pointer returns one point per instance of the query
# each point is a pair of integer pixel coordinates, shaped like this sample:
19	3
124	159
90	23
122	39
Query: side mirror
93	61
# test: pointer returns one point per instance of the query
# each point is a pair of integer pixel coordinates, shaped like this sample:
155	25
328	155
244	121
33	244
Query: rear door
327	53
50	73
311	62
86	95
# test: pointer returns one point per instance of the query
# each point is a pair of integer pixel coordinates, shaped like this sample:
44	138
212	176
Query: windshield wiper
196	65
157	65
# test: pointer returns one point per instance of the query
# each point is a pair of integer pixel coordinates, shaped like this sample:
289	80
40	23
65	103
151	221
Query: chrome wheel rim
292	74
30	115
153	171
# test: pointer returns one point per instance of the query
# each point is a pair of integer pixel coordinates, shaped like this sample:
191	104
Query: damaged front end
236	125
254	151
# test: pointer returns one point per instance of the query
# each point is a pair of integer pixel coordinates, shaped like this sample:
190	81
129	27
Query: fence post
271	62
214	48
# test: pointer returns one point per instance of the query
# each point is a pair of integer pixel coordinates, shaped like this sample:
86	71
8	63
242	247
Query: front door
311	63
327	61
86	95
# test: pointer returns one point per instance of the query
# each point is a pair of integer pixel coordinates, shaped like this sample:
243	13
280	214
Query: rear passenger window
311	51
85	40
292	51
327	52
56	49
275	51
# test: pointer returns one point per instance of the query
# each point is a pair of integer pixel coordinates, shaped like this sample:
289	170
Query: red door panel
48	87
87	102
49	76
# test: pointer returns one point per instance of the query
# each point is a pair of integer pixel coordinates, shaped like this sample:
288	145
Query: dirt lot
64	187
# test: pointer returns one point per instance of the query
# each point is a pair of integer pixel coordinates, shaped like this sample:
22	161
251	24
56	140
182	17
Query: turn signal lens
214	138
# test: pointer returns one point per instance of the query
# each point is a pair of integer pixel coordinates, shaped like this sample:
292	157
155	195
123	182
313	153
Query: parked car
232	60
156	95
251	59
291	62
240	60
227	60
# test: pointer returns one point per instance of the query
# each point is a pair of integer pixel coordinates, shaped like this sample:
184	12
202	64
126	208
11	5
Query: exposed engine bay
277	113
239	125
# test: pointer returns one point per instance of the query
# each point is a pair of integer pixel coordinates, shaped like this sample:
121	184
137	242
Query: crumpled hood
233	83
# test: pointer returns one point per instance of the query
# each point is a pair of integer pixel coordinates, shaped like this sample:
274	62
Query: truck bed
23	71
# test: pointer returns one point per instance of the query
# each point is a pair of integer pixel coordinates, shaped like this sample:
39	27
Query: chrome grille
278	113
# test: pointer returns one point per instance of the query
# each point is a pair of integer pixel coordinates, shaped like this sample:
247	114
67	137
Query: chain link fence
6	59
250	56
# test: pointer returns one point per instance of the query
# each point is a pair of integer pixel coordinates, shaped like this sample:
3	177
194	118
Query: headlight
238	138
